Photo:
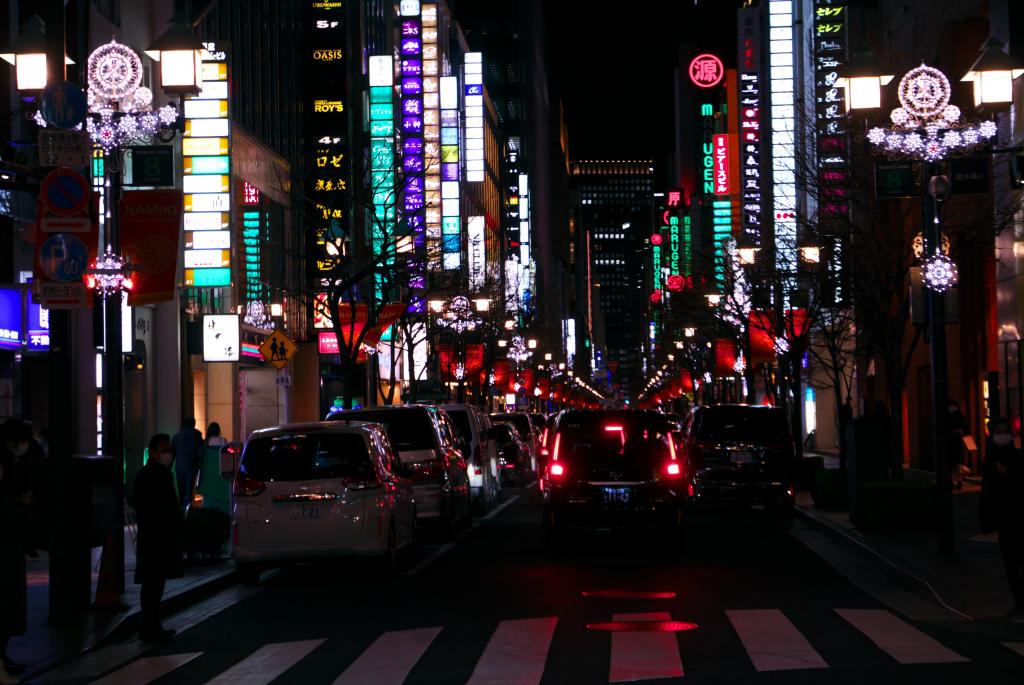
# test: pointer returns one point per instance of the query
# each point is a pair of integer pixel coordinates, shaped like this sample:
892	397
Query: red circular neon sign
676	283
656	296
656	239
706	71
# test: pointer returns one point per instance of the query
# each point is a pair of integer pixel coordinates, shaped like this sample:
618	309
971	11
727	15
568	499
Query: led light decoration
740	365
518	351
120	109
458	315
109	275
208	195
940	273
382	157
750	123
474	106
927	127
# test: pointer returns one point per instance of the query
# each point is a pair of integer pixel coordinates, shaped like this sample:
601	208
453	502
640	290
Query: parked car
612	469
513	454
481	454
739	452
429	451
314	490
527	433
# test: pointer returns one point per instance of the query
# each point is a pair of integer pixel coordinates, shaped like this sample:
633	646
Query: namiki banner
150	222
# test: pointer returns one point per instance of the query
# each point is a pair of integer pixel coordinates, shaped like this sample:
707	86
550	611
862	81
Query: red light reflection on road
642	626
628	594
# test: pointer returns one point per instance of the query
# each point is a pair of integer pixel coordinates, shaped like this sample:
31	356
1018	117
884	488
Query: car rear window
460	418
307	457
520	421
408	430
605	434
741	423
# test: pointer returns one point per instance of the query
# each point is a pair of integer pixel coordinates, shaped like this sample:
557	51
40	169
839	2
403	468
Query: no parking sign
65	192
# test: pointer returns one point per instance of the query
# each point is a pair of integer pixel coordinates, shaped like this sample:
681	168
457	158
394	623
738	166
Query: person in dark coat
160	541
1002	505
958	428
187	447
15	498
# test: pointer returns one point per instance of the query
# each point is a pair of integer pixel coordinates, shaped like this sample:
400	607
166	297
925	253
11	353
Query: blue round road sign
65	192
63	257
64	105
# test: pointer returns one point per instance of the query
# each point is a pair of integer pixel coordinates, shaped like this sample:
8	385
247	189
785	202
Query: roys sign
706	71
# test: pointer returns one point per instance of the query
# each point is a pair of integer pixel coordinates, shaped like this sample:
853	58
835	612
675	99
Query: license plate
306	512
616	495
741	457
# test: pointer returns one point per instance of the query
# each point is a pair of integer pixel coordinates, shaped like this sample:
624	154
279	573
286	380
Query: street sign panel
895	180
221	338
61	295
65	224
278	348
65	192
969	175
64	148
152	165
64	105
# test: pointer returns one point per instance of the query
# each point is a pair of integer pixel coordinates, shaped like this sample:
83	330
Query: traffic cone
108	592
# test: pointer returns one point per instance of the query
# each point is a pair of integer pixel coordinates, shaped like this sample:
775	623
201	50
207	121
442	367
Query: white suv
313	490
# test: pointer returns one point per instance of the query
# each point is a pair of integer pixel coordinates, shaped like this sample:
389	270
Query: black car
612	469
739	452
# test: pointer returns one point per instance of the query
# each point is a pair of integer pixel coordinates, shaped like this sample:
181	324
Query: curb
892	565
131	620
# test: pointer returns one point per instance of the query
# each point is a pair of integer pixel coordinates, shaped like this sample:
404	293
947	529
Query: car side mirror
229	455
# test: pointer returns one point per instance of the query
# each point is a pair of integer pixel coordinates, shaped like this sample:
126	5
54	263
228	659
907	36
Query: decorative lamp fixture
109	275
532	343
747	254
918	245
740	365
435	305
28	56
863	82
180	54
518	351
927	127
482	305
810	254
510	324
714	299
993	75
940	273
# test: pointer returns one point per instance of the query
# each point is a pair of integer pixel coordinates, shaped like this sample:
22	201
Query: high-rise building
612	217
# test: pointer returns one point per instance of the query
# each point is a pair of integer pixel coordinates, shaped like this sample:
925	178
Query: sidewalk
971	582
44	647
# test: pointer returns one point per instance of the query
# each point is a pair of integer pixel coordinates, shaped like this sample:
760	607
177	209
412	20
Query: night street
497	609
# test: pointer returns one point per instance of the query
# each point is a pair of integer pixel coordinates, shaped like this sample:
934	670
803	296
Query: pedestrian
160	540
1002	505
15	499
958	428
213	436
187	446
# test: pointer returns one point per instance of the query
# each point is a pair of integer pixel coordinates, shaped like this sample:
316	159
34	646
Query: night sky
612	67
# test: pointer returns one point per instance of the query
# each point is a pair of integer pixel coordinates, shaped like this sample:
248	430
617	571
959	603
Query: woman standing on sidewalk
1002	505
15	497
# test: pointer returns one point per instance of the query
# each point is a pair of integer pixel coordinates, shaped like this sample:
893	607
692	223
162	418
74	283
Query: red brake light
247	487
554	452
613	429
557	470
673	468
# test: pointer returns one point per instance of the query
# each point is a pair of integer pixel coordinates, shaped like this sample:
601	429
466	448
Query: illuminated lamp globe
180	54
993	74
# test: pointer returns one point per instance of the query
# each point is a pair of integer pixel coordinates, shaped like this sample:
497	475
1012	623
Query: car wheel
249	574
389	562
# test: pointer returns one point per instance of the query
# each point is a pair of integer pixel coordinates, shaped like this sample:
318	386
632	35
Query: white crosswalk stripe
266	663
773	642
644	655
146	670
902	641
516	653
389	660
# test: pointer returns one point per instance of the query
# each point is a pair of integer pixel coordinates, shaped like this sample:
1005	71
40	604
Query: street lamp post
928	128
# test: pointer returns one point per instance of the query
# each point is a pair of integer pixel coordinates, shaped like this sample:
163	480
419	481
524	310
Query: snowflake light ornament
926	126
940	273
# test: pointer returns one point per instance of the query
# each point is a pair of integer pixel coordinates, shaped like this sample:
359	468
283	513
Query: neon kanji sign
706	71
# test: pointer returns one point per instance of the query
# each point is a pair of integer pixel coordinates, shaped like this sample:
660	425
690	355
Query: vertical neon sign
780	57
206	147
474	103
451	224
750	123
382	155
414	197
432	137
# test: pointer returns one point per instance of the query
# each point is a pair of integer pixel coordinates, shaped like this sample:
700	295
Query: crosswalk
519	650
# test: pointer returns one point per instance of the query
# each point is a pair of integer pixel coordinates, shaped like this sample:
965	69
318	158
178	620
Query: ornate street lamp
863	82
28	55
180	54
993	74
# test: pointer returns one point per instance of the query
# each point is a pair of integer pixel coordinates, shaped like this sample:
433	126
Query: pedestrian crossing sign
278	348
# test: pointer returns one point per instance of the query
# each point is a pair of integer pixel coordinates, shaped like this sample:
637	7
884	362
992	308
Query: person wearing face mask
160	543
1002	506
15	498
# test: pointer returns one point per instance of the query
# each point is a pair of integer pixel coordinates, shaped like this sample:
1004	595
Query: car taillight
557	470
673	469
247	487
554	452
477	471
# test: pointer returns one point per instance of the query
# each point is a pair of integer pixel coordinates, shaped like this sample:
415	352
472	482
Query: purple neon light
410	28
411	46
412	125
412	85
412	106
412	146
450	171
412	165
412	67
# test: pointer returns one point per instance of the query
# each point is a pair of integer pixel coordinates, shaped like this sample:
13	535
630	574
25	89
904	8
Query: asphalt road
753	603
